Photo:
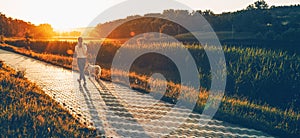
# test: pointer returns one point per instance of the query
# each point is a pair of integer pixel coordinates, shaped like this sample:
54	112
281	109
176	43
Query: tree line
10	27
259	20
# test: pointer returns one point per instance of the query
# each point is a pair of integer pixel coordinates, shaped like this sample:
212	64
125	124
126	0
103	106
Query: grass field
262	89
221	35
26	111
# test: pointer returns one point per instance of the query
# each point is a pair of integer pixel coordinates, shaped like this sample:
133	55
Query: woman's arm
76	51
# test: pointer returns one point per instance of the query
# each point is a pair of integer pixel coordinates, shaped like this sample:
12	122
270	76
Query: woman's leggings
81	64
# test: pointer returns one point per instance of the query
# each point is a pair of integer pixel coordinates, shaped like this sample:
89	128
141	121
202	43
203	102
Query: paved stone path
116	110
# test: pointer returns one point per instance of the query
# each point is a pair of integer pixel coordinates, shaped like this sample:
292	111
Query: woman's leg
81	65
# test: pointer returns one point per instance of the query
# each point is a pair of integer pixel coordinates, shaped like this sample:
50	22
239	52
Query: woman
81	54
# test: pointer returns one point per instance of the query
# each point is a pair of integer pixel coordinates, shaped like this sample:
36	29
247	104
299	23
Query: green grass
221	35
262	89
26	111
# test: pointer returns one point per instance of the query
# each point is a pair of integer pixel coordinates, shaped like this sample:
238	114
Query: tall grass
262	85
51	47
26	111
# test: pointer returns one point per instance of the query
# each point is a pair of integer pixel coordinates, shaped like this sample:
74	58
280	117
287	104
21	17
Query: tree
208	13
261	4
43	30
168	29
258	5
250	7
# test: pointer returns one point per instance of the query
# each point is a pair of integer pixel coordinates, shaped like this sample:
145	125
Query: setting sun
62	15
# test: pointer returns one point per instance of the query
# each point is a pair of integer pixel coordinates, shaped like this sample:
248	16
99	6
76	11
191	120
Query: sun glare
62	29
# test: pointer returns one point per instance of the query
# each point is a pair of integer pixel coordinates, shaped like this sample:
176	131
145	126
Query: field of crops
262	84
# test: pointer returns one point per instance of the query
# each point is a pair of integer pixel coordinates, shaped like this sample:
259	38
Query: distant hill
254	22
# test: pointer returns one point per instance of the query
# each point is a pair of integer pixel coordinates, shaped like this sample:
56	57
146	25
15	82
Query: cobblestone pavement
118	111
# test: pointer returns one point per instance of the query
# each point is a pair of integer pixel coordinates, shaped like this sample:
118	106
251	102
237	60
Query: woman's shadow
95	119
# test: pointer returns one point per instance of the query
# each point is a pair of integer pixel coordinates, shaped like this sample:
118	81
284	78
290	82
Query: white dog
94	70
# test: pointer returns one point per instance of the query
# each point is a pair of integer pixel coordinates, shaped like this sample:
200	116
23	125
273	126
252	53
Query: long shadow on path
111	102
92	109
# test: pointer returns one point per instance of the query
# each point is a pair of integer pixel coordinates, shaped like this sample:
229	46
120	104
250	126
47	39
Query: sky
66	14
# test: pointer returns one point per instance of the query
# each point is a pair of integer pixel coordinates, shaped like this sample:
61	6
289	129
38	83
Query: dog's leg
99	74
93	74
